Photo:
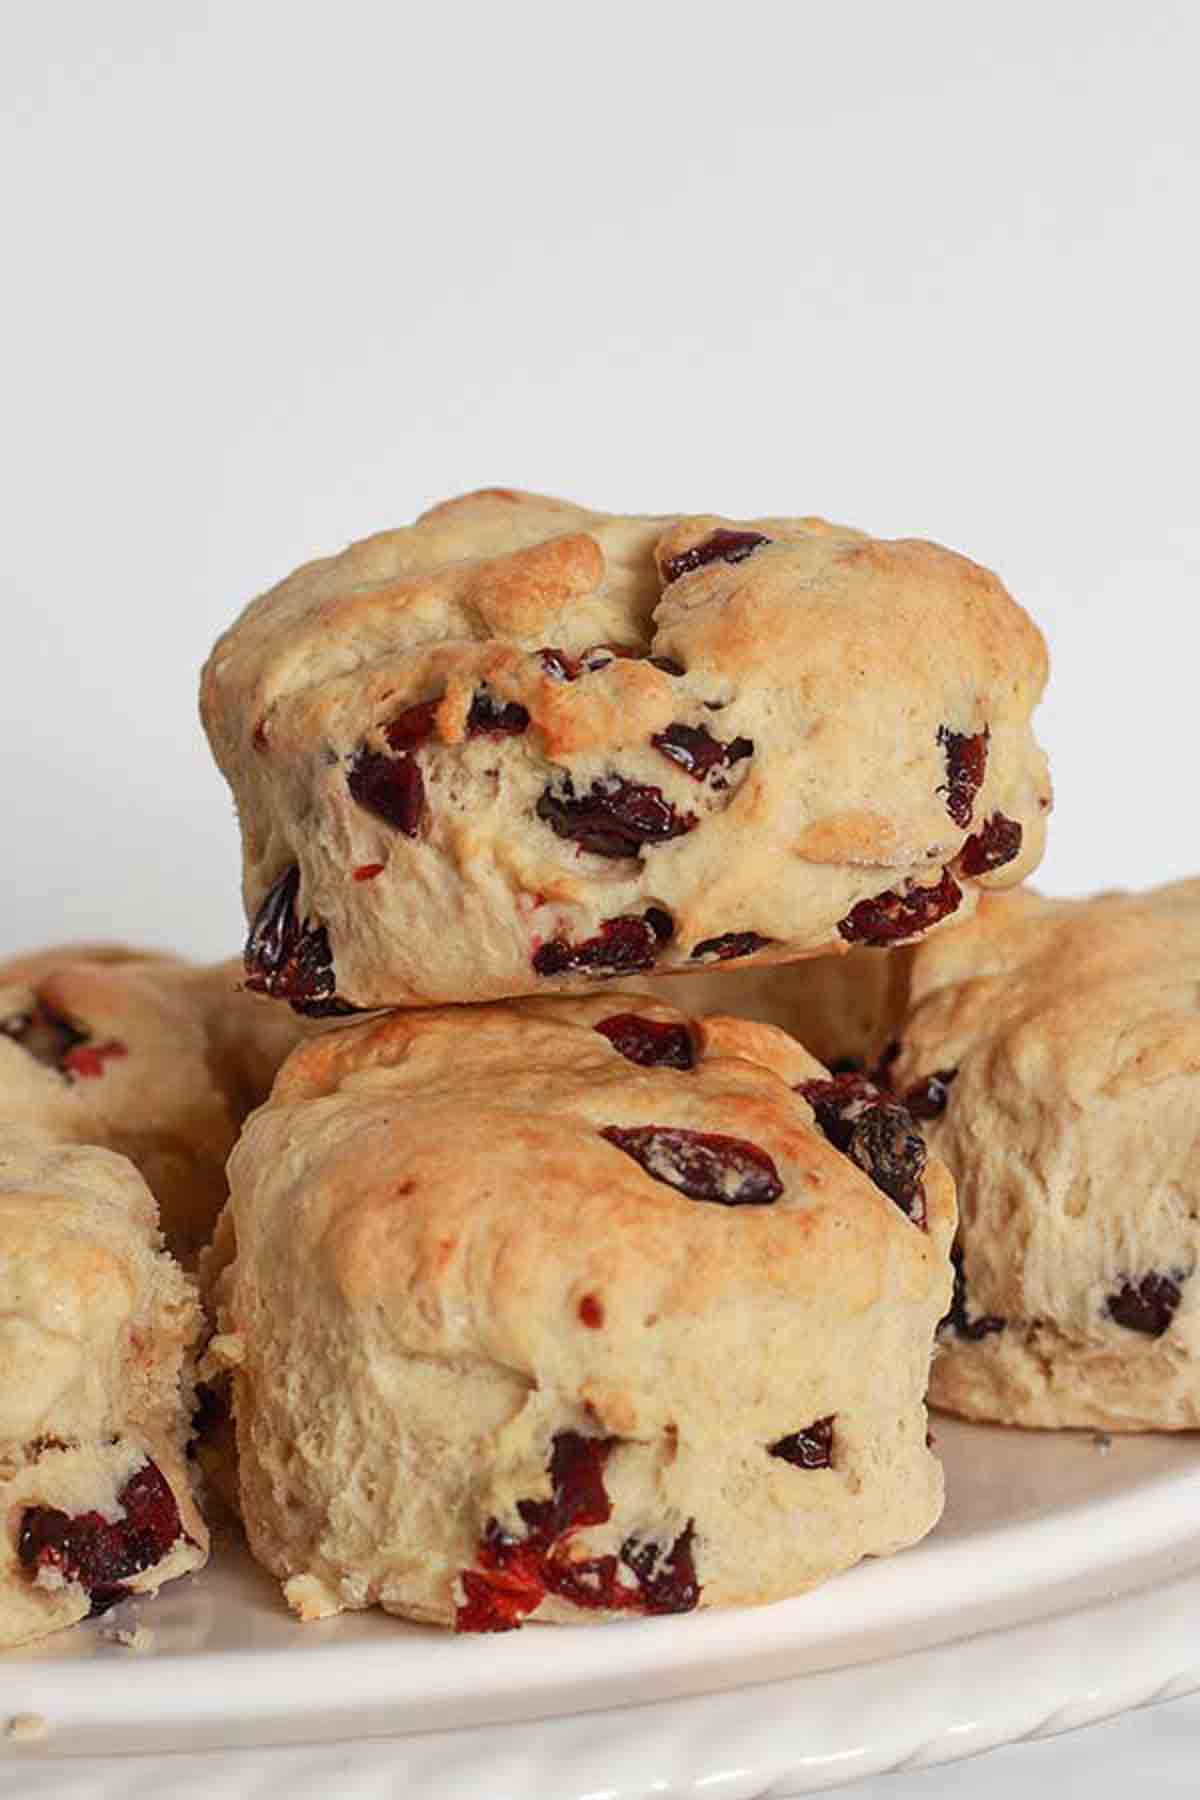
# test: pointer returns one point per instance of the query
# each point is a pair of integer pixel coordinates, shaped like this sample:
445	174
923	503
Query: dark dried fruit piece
391	787
413	726
928	1098
43	1034
1147	1305
615	818
957	1318
704	1165
966	766
722	546
667	664
999	842
516	1573
290	961
495	718
694	748
891	917
731	944
652	1043
622	945
811	1448
100	1555
591	1312
877	1133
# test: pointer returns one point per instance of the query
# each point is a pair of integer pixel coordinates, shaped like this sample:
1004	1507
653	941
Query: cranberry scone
146	1055
553	1311
1053	1049
97	1328
521	746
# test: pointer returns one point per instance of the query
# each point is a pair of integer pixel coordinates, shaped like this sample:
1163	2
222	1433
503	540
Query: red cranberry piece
731	944
928	1098
288	960
811	1448
413	726
515	1574
391	787
100	1555
652	1043
495	718
722	546
88	1060
958	1319
891	917
966	766
694	748
877	1133
368	871
622	945
591	1312
615	818
559	666
999	842
703	1165
1147	1305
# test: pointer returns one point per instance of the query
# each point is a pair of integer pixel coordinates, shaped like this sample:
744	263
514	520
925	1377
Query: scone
550	1311
143	1054
520	746
97	1327
1053	1047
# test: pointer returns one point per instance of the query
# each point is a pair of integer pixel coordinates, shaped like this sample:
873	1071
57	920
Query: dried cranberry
88	1060
495	718
288	960
966	766
721	546
515	1573
616	818
811	1448
560	665
877	1133
703	1165
591	1312
413	726
368	871
99	1555
694	748
731	944
621	946
1147	1305
391	787
957	1319
998	843
667	664
928	1098
890	917
652	1043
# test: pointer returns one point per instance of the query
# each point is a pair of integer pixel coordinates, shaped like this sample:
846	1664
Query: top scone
519	745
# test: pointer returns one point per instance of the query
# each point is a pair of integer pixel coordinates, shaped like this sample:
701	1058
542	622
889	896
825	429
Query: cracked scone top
520	745
1054	1048
97	1326
568	1309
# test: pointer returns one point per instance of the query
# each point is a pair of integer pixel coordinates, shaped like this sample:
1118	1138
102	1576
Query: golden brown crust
841	661
439	1264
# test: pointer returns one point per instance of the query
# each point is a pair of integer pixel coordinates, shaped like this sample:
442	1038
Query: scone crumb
1102	1442
139	1640
225	1351
310	1599
27	1728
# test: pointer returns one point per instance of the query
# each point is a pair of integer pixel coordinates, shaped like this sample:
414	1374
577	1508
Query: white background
279	275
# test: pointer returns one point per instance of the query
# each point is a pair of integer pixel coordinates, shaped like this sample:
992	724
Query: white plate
1062	1585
